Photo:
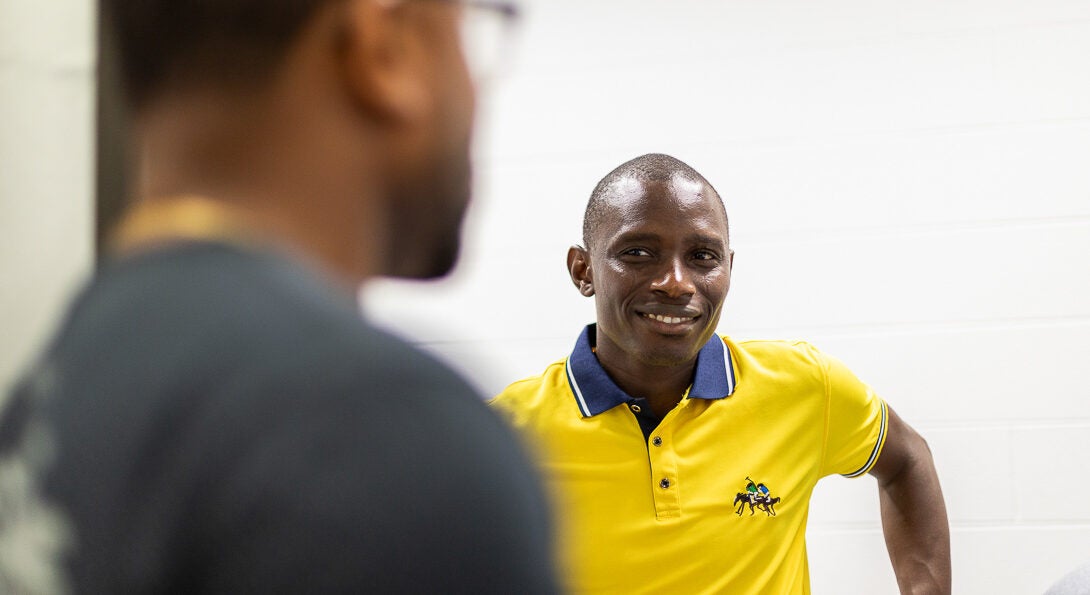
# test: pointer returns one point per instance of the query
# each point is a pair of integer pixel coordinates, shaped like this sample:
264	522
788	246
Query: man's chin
672	351
669	358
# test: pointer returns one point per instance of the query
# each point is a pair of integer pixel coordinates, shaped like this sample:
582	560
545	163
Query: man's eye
636	252
705	255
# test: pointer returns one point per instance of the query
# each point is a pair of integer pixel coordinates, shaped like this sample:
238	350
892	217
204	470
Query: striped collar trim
595	392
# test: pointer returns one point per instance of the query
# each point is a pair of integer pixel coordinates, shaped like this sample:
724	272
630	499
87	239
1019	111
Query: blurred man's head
347	121
657	260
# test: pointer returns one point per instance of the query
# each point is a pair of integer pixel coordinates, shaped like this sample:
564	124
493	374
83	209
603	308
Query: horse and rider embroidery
757	496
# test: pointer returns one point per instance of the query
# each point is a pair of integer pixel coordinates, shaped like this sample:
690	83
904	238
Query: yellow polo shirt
715	498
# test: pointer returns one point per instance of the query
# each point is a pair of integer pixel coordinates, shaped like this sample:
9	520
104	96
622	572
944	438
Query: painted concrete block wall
908	186
46	167
909	189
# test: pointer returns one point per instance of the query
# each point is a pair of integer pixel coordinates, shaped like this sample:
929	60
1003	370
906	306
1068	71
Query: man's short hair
168	42
652	167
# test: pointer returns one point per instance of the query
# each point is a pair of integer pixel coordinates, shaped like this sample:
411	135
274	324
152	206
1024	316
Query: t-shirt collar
596	392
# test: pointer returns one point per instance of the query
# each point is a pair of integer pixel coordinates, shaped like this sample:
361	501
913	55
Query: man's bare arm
914	520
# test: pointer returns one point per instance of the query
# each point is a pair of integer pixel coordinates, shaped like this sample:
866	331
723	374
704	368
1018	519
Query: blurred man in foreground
682	461
214	415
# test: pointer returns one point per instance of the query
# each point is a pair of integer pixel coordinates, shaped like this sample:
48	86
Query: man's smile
680	321
669	319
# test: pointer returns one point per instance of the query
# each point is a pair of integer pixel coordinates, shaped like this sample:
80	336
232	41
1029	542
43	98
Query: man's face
432	193
659	266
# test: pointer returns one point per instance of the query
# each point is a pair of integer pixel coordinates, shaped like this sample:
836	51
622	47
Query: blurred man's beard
426	220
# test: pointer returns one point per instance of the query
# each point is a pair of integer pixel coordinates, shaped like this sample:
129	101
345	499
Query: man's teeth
668	319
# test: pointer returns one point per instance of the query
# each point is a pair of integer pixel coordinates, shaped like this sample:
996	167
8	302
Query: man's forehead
630	198
632	189
646	210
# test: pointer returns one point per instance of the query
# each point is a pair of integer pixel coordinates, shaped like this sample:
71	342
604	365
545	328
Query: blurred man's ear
579	270
382	60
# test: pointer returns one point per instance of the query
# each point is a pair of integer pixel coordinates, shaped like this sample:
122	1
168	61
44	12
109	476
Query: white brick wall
909	188
46	169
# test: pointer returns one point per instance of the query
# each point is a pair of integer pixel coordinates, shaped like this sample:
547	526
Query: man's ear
381	61
579	269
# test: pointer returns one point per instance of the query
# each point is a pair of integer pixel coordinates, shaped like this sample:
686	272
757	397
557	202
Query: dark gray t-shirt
222	420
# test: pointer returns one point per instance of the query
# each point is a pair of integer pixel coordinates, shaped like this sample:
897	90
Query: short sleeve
856	421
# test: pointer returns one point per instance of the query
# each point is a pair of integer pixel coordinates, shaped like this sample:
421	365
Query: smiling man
682	461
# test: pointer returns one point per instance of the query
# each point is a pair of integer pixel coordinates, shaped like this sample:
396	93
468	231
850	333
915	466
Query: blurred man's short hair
163	43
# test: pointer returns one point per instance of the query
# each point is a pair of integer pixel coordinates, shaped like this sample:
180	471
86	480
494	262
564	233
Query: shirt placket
665	482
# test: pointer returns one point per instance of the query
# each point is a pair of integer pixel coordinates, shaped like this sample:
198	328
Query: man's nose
675	280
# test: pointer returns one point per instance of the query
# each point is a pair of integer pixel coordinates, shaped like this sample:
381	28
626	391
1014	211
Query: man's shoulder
775	350
209	295
533	391
202	281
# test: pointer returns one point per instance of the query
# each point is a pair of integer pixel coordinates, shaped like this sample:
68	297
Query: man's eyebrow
635	236
714	241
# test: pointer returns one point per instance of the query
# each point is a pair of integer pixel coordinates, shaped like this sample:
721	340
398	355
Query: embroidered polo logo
757	496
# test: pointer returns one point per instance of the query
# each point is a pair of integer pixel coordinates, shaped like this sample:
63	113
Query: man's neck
662	386
268	165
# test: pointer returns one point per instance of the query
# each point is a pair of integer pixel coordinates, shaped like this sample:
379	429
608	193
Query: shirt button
664	484
657	441
635	408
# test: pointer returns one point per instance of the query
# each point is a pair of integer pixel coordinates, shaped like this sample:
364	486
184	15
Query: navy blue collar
596	392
